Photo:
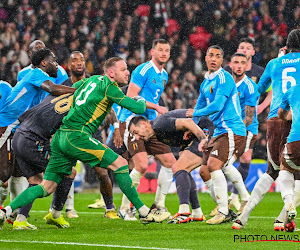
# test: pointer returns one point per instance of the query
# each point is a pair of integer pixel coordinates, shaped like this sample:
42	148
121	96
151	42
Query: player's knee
204	173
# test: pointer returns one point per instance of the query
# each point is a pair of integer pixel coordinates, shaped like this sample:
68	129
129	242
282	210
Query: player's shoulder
143	68
257	68
224	76
251	85
25	69
5	85
61	70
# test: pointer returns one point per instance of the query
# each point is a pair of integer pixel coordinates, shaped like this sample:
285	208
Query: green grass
92	228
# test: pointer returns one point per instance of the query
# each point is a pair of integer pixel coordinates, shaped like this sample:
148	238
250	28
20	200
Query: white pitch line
84	244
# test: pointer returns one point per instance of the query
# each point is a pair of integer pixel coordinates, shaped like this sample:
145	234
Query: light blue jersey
152	83
118	110
5	89
61	77
248	93
291	101
219	100
22	96
282	73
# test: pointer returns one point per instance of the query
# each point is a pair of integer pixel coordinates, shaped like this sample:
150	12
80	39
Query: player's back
152	84
282	73
22	96
45	118
90	104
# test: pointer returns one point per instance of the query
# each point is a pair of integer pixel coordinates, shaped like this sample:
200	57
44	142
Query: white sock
55	213
69	205
286	182
234	197
296	201
144	210
21	218
297	193
164	181
220	188
237	180
261	187
184	208
16	186
3	195
197	213
8	211
136	177
210	186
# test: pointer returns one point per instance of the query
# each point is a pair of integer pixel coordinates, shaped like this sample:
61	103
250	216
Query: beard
77	73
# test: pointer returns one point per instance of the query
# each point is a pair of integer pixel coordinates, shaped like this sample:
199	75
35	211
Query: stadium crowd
102	29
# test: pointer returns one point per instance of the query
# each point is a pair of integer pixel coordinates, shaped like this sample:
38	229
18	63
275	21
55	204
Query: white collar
237	84
212	75
156	69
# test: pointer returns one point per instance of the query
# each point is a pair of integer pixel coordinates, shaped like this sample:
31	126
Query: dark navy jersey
254	73
68	82
165	129
45	118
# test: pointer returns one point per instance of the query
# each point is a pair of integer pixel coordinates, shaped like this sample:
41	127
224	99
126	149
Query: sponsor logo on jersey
154	81
284	61
215	153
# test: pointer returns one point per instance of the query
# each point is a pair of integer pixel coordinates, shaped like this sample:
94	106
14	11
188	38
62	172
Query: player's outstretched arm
116	95
189	124
134	90
55	89
210	109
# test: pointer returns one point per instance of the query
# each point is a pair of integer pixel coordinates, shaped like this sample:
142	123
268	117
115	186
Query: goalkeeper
73	141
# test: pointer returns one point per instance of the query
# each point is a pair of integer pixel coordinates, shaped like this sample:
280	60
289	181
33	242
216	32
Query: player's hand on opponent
187	135
202	145
118	140
161	109
189	113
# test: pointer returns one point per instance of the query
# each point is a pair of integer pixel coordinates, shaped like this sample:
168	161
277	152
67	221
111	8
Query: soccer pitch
92	230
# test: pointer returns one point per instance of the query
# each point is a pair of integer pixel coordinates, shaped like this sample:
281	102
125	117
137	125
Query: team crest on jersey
154	81
164	83
254	78
211	89
239	94
135	146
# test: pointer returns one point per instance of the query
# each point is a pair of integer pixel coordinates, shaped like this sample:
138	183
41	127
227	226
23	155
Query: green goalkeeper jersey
93	100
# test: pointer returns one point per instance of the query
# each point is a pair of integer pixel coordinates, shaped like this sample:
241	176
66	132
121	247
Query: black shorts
32	155
193	147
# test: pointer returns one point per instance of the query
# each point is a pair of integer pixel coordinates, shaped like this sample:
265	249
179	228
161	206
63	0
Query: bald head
35	46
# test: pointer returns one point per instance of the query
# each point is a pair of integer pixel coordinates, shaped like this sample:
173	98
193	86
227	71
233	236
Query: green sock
125	183
28	196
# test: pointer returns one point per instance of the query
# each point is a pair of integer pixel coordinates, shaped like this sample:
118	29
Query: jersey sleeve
115	94
39	77
138	78
265	80
225	86
285	105
251	95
